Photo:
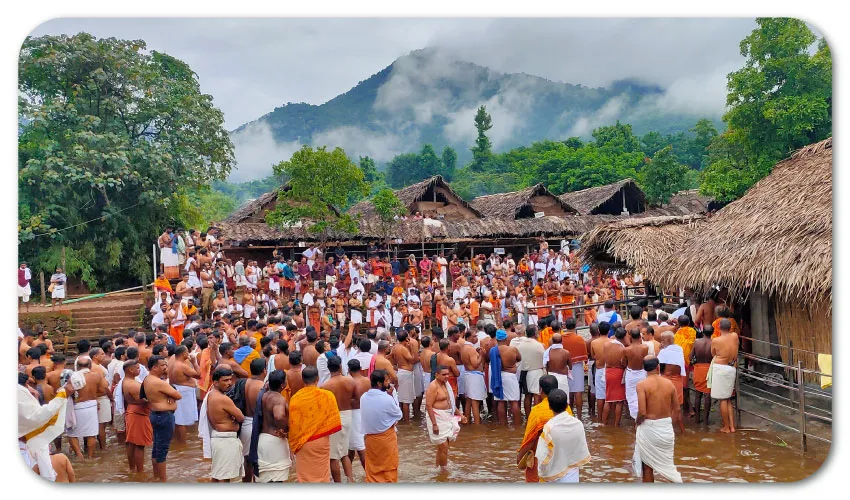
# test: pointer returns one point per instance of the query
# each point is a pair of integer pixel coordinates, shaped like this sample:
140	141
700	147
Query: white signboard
538	215
499	251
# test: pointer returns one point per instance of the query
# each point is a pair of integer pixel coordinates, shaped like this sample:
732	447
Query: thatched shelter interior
523	204
432	198
610	199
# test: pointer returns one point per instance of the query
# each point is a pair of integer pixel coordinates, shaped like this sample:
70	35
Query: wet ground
486	453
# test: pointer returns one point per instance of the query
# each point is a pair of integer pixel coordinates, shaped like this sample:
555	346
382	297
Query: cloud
378	145
256	151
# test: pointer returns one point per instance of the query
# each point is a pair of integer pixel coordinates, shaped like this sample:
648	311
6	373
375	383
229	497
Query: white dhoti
245	434
274	286
461	386
532	380
356	316
86	424
418	380
510	387
577	377
447	427
227	457
569	477
355	435
474	384
339	439
187	406
24	292
563	381
599	382
104	410
632	379
194	281
654	445
58	292
273	459
168	257
721	380
406	386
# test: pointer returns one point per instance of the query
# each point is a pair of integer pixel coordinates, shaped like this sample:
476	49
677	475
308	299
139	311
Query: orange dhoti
313	314
701	377
589	316
382	457
139	430
176	333
615	389
678	383
542	312
566	301
453	382
313	461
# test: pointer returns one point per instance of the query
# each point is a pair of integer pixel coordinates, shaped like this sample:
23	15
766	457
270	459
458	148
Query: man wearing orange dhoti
313	417
379	413
537	418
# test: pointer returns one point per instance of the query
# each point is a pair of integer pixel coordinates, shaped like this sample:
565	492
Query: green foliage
370	172
321	184
482	151
780	101
663	176
404	170
111	140
388	206
449	163
244	191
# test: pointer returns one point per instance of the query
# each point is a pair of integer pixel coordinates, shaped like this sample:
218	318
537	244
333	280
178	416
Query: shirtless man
226	351
475	389
355	437
707	313
725	351
344	389
252	390
443	359
309	353
425	357
658	408
183	374
41	338
404	356
701	361
55	375
510	356
139	424
85	406
438	402
224	419
416	316
294	382
557	361
634	354
273	444
383	360
615	391
162	399
455	335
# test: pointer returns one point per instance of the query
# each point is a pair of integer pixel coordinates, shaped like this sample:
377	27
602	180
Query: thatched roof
644	244
509	205
589	201
412	194
252	210
776	238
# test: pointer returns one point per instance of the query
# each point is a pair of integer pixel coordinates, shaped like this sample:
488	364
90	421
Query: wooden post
63	260
43	292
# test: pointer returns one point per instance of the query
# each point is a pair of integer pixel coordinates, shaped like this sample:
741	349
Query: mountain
428	97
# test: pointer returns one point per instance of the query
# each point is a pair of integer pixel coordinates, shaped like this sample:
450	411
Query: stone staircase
105	319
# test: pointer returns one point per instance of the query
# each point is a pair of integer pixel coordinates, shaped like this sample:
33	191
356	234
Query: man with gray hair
85	408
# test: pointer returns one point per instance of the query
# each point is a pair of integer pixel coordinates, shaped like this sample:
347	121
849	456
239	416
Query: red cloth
22	277
615	389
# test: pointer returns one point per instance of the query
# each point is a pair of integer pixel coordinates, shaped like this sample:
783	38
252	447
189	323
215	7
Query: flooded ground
486	453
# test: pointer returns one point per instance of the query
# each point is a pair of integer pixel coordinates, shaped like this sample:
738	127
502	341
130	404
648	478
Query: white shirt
531	352
378	411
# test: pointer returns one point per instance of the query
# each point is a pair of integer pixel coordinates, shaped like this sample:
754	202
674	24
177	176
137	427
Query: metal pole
802	398
737	394
154	261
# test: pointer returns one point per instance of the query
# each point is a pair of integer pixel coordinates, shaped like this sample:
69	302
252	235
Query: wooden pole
63	260
43	292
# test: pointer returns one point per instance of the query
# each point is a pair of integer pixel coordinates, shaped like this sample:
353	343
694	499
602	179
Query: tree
370	172
617	138
704	132
780	101
111	141
403	170
663	176
449	161
652	142
481	152
388	207
320	183
429	163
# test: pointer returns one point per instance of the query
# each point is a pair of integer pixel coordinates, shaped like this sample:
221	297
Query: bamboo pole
63	261
43	292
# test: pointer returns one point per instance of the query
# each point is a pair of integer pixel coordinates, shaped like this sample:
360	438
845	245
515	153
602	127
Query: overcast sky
250	66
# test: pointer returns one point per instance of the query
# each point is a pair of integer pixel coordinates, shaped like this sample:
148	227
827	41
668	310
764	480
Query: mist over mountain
430	97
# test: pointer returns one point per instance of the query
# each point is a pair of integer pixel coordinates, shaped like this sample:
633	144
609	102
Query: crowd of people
310	363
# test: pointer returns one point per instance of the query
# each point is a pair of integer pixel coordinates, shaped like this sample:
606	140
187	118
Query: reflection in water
487	453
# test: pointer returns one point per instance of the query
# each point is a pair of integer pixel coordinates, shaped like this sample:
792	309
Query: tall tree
112	138
370	172
617	138
429	163
704	132
482	151
404	170
663	176
449	161
320	184
388	207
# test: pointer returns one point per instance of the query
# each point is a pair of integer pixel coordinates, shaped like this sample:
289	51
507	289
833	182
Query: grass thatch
590	201
776	238
252	210
412	194
511	205
644	244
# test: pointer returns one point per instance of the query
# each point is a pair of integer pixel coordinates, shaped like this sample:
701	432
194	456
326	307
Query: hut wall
451	211
759	317
805	328
547	205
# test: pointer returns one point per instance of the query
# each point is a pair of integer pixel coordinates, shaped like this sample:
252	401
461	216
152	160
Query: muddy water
486	453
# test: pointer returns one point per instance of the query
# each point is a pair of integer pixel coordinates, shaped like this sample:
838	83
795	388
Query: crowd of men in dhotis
311	364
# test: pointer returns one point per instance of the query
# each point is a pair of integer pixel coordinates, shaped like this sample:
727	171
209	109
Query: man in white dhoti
220	419
562	446
443	415
658	406
38	425
273	457
86	425
635	353
722	372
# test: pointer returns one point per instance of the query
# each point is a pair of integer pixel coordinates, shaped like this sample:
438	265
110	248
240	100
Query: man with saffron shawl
313	417
724	312
161	284
245	354
537	418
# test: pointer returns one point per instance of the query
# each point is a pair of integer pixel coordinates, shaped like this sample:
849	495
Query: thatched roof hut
432	197
609	199
642	244
522	204
255	210
777	237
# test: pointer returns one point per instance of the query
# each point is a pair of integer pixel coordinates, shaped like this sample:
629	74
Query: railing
805	402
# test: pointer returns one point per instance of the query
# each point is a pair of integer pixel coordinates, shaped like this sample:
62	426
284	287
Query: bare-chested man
273	445
443	359
139	432
294	382
557	361
634	354
509	390
701	361
658	407
162	399
252	390
475	388
443	413
356	437
226	351
425	356
224	418
615	390
309	354
456	336
183	374
85	408
383	360
344	389
55	375
725	351
404	356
